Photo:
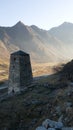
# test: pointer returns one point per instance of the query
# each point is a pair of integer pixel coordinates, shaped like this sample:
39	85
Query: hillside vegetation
47	98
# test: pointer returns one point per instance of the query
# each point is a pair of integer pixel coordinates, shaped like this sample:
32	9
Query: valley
49	96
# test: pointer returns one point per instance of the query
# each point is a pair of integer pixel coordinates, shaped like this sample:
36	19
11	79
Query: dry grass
3	70
43	68
38	69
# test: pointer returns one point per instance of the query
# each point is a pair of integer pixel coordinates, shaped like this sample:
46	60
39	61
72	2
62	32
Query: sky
43	13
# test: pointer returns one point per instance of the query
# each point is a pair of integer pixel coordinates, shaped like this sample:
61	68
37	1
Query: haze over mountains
54	45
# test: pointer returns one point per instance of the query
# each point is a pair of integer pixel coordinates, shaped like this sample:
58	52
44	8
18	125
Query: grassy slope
38	69
3	70
36	104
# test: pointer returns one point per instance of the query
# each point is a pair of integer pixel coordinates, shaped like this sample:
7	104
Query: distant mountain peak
66	24
19	24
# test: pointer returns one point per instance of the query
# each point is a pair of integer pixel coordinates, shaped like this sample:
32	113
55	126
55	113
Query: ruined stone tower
20	72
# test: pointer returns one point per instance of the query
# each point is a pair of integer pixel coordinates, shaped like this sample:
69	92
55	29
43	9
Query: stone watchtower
20	72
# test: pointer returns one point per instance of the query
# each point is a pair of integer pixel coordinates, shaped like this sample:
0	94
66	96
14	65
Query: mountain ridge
43	46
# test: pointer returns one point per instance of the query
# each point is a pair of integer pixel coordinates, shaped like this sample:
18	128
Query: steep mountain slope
64	32
4	55
54	45
4	58
39	43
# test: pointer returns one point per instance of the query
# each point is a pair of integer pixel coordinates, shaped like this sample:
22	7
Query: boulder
53	124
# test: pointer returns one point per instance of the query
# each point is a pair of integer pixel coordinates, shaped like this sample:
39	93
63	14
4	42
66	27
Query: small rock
51	129
58	125
41	128
60	118
46	123
33	121
68	110
58	110
68	104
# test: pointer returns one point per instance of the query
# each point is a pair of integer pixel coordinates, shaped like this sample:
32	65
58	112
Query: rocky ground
46	98
53	125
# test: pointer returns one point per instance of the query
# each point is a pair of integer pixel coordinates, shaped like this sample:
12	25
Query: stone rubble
52	125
